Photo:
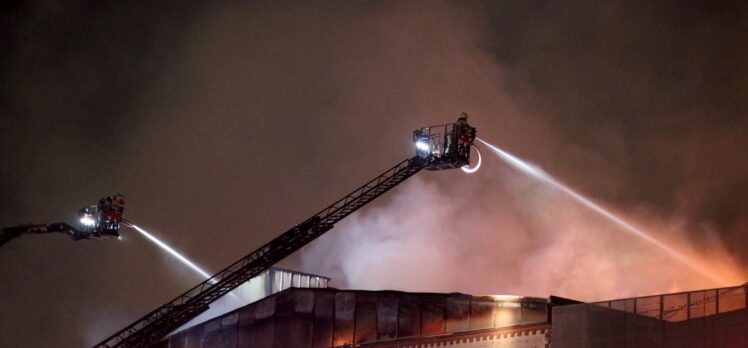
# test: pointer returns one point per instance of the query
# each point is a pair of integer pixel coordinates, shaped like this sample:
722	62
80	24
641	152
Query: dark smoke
227	124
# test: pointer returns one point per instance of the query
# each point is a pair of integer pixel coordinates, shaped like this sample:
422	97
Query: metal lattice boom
7	234
160	322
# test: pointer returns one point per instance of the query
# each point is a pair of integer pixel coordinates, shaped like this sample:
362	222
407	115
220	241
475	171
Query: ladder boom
167	318
7	234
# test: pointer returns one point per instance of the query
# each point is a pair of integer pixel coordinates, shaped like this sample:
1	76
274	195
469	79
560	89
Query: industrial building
327	317
311	317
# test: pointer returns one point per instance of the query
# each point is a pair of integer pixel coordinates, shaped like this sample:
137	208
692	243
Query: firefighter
118	202
112	208
462	121
117	207
461	135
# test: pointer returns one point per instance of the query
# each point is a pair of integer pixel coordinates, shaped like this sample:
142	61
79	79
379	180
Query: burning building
327	317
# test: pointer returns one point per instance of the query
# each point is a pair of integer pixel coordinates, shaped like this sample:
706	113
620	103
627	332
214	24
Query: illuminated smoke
174	253
541	175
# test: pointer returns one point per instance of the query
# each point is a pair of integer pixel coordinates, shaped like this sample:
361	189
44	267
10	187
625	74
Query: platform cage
97	223
444	146
90	218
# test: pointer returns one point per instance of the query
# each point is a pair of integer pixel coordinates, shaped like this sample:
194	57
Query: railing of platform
683	305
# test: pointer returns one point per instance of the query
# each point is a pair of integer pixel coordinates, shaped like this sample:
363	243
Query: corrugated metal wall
271	281
331	317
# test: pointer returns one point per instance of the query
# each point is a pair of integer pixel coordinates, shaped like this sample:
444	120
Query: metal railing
438	138
683	305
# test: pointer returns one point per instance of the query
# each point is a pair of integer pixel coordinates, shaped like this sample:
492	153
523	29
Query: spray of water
173	252
537	173
223	305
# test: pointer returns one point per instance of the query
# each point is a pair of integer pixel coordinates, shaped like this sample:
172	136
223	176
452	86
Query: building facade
314	318
325	317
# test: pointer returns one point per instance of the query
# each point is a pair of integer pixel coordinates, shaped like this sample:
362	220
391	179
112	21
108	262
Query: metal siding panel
533	315
229	330
212	334
387	315
569	328
245	326
284	308
345	308
457	313
178	340
481	313
324	311
264	326
162	344
302	322
506	316
604	323
731	329
639	330
432	315
366	317
194	337
409	316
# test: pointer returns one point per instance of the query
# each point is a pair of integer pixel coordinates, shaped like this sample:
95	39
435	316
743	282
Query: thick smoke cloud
503	233
603	120
227	124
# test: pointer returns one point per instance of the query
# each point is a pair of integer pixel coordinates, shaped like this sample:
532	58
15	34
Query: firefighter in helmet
112	207
462	136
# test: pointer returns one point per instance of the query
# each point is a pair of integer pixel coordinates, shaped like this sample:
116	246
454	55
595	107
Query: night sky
226	123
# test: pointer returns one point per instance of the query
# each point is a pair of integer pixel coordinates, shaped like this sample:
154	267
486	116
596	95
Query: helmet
464	116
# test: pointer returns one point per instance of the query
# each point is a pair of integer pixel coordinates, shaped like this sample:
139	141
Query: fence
683	305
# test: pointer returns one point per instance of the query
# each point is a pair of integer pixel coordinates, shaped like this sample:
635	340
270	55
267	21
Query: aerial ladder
97	221
437	148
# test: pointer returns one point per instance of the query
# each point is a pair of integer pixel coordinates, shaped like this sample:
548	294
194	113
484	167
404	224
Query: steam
504	233
539	174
